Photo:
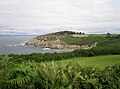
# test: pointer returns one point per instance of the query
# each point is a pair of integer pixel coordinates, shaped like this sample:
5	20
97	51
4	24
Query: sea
16	45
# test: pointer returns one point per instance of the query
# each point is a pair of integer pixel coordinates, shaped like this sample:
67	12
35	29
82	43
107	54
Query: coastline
57	45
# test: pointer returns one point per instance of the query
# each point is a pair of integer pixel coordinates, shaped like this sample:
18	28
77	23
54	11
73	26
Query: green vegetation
91	39
114	44
38	57
83	40
98	61
95	68
55	75
66	33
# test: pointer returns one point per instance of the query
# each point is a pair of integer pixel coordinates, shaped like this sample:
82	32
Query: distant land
18	35
69	40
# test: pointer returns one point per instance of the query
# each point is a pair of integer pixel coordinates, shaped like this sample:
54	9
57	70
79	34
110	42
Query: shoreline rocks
55	42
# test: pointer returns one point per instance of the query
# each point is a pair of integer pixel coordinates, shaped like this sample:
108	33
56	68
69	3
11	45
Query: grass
109	44
102	39
98	61
84	40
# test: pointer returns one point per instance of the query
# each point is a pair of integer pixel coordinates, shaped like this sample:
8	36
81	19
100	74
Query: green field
102	40
98	61
84	40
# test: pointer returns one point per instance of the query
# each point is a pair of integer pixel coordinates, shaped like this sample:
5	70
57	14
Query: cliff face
55	42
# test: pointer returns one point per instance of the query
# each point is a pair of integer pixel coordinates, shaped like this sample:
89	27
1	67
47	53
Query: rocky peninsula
57	41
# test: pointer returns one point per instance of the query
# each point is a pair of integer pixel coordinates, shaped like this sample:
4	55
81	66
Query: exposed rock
55	42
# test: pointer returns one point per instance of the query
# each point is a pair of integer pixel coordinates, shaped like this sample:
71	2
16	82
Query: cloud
52	15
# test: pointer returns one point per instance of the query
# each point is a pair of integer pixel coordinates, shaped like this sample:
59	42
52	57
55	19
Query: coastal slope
61	40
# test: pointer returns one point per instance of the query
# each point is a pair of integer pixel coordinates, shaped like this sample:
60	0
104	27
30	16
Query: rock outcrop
55	42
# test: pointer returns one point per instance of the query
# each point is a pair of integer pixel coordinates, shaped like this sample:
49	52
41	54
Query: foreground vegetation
70	74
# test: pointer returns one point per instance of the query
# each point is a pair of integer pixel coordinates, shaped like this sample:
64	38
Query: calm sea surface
15	45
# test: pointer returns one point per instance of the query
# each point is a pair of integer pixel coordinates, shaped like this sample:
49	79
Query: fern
21	75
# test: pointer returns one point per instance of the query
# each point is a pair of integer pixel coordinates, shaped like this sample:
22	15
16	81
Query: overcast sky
44	16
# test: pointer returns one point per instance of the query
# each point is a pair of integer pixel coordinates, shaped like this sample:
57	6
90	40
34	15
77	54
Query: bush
31	75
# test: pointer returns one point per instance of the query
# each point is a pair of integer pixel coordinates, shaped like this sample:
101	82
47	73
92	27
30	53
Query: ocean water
15	45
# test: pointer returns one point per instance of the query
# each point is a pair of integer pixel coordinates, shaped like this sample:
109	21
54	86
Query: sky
43	16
